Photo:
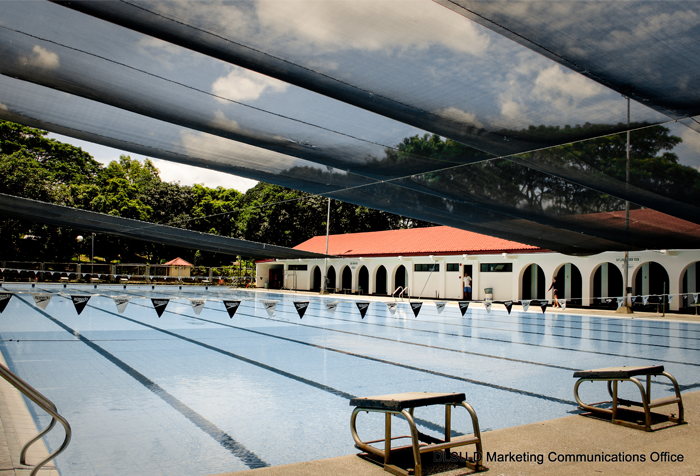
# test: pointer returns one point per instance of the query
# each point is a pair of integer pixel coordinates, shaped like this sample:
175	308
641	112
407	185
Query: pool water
188	394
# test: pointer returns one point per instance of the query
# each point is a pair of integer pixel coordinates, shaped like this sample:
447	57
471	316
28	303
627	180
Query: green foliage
34	166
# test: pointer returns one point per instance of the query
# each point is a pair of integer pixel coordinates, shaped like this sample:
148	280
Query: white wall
506	285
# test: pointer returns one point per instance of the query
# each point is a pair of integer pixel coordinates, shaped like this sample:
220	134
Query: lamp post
625	308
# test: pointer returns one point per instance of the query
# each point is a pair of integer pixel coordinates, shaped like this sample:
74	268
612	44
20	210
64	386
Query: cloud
370	25
3	107
244	85
460	116
42	58
188	175
555	82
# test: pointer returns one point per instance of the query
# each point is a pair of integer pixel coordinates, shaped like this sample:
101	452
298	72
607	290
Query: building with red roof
432	263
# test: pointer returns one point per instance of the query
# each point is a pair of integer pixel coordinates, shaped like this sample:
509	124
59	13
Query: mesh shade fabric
346	84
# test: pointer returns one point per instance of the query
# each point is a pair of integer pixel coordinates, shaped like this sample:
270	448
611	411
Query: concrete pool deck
574	434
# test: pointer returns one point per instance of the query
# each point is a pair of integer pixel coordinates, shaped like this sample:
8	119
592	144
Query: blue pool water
189	394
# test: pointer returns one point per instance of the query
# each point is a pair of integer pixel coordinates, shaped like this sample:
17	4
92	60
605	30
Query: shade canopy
528	101
50	214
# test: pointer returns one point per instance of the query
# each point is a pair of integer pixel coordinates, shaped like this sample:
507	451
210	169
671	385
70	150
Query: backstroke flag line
197	305
526	305
463	306
508	305
415	307
487	305
159	305
42	300
562	303
121	302
301	307
543	305
80	302
331	306
362	307
392	306
269	307
231	307
4	300
440	305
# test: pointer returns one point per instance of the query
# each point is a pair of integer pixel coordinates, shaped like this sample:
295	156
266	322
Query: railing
46	405
400	295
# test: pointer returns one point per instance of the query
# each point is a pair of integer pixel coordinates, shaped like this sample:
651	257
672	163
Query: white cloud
245	85
460	116
554	83
42	58
188	175
370	25
3	107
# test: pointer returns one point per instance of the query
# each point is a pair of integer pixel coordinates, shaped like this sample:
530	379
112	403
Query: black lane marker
365	322
249	458
360	356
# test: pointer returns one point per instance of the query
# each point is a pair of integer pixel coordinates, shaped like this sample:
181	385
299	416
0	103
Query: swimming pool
189	394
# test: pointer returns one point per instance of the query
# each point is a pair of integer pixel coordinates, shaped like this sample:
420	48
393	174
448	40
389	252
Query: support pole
626	308
324	285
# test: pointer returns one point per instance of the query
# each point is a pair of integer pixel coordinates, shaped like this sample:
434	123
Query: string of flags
114	276
80	301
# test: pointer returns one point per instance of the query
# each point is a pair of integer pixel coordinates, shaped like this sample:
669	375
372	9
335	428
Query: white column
567	281
533	281
604	289
692	279
645	278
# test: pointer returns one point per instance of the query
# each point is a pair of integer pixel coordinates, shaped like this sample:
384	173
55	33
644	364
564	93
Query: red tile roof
178	262
442	240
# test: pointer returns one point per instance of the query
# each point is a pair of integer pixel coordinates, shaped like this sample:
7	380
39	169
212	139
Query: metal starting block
404	404
631	418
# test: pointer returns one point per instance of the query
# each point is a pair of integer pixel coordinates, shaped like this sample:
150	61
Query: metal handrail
402	292
46	405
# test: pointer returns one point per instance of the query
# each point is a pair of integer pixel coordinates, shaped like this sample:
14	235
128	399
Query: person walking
467	287
555	292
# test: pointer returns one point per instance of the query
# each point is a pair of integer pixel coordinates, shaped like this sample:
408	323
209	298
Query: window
452	266
297	267
426	267
496	267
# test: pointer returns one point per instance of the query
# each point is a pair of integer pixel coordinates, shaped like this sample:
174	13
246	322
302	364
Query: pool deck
575	434
569	435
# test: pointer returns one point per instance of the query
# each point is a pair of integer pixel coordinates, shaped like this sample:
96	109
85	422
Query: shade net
528	150
100	222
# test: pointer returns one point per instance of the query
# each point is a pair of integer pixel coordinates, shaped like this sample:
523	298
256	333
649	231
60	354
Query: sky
169	171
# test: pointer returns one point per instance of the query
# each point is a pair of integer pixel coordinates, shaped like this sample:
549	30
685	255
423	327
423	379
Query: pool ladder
46	405
400	295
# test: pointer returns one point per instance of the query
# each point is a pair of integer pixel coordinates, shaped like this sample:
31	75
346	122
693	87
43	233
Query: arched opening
380	281
331	278
651	279
347	278
400	277
363	280
569	284
607	283
689	284
316	279
534	283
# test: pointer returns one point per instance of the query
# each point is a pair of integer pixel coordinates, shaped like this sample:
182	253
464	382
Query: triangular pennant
487	305
543	305
331	306
463	306
301	307
670	298
4	300
37	272
42	300
128	277
159	304
362	307
619	302
269	307
508	305
51	272
197	305
695	298
440	305
632	299
231	307
562	303
526	305
645	300
121	302
392	306
80	301
415	307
